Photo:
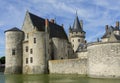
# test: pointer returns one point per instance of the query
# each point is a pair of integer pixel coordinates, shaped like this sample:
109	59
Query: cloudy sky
94	13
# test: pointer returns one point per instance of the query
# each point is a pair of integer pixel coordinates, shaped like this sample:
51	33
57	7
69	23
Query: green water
52	79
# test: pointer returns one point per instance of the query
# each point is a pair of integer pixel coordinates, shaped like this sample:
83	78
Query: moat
52	79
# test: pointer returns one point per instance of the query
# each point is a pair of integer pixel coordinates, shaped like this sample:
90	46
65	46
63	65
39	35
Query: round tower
76	34
14	38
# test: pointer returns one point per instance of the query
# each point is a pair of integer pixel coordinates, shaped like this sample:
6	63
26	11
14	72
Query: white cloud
95	13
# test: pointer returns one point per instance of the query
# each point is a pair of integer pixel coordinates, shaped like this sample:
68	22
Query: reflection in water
26	79
52	79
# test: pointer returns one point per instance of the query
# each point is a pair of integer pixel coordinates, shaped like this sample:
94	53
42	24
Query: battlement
99	43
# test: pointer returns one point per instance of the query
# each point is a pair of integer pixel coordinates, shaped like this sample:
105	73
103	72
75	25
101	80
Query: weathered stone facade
104	60
41	46
14	51
68	66
39	40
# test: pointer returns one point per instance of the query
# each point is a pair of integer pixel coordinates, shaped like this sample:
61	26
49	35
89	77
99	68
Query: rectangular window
78	40
31	51
31	59
26	60
13	51
34	40
26	48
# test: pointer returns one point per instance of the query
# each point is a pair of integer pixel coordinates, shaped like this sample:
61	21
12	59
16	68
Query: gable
27	24
35	22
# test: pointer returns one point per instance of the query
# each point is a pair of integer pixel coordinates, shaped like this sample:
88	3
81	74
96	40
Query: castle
42	46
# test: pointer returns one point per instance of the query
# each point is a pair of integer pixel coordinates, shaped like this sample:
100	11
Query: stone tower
14	38
35	44
76	33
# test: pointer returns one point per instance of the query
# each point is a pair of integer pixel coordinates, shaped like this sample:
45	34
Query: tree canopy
2	60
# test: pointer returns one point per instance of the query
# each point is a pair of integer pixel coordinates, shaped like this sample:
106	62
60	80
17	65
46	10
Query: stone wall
37	59
82	54
60	47
104	60
69	66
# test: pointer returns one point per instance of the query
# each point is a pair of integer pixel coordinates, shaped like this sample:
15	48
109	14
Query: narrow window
73	45
78	40
26	48
31	60
31	51
27	35
13	51
34	40
26	60
73	40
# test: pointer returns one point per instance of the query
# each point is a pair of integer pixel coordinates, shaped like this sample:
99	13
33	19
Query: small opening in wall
31	59
31	51
61	57
13	51
78	40
26	48
26	60
34	40
27	35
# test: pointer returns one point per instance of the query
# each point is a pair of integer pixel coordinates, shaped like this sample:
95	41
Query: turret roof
13	29
76	25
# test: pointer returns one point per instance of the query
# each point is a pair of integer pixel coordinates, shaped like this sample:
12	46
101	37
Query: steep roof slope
55	29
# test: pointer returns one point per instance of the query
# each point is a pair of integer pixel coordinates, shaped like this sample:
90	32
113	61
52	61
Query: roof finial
76	12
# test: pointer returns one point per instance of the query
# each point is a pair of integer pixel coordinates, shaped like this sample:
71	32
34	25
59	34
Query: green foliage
2	60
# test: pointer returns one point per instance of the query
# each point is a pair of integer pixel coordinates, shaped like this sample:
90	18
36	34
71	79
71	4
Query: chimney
106	27
117	24
52	21
46	22
62	25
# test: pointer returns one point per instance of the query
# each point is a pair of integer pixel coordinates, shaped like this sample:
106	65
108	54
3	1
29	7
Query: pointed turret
77	26
76	33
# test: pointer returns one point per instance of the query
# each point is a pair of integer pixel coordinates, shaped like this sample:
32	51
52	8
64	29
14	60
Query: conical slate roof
76	25
13	29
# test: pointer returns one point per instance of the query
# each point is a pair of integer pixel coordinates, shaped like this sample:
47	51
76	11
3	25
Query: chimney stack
46	22
106	28
117	24
52	21
62	25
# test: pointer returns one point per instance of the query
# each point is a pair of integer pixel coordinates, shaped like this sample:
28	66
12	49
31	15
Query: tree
2	60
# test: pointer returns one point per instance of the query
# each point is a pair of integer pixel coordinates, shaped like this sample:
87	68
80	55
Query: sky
94	13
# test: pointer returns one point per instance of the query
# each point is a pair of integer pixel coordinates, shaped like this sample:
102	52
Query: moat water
52	79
